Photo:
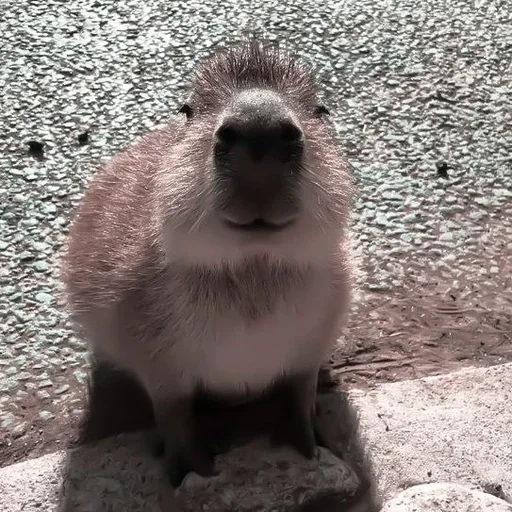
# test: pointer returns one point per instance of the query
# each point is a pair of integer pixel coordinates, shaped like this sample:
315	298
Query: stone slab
116	475
449	430
445	497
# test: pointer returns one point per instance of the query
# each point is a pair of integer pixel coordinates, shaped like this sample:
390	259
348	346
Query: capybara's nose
259	125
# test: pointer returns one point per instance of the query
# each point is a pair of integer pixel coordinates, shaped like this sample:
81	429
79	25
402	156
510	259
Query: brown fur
157	284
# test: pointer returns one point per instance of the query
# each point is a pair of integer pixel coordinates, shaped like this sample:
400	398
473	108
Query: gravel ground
421	92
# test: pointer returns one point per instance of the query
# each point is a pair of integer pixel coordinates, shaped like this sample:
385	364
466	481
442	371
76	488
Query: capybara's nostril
226	135
290	132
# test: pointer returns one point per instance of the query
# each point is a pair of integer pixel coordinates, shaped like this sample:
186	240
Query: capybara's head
256	170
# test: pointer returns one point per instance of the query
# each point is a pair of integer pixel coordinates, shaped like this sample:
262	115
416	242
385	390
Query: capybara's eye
186	109
321	110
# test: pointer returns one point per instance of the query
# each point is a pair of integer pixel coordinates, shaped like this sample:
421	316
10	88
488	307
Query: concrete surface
419	91
453	429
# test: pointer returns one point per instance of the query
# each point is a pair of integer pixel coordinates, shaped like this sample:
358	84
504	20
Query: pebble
503	192
40	246
446	236
19	429
377	287
392	196
450	225
482	201
49	208
62	389
20	315
381	219
41	266
44	298
46	415
10	290
80	376
6	419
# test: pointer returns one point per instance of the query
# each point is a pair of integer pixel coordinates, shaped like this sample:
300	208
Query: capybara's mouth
259	225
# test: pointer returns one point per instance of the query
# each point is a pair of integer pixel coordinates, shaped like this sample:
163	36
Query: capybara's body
211	255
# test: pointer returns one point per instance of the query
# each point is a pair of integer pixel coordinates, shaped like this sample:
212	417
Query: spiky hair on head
253	63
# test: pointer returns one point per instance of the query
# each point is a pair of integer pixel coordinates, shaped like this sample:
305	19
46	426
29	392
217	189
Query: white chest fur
228	351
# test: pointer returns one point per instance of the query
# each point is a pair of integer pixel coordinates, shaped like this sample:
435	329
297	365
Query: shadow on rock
108	471
337	423
111	472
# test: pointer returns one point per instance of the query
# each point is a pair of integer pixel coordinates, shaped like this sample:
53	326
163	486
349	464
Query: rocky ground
421	93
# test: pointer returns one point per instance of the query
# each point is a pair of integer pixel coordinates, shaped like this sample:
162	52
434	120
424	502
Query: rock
445	497
255	477
117	474
455	426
